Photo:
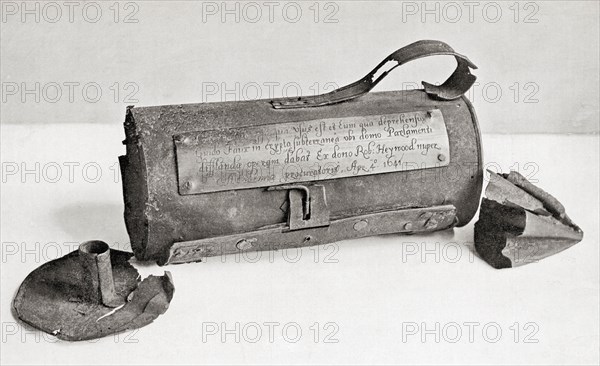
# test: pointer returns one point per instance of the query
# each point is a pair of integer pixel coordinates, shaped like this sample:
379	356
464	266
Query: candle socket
98	283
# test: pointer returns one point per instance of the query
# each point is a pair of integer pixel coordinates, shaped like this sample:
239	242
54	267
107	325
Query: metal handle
457	84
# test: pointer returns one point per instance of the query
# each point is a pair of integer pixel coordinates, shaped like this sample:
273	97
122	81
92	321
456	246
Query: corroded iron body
91	293
173	221
520	223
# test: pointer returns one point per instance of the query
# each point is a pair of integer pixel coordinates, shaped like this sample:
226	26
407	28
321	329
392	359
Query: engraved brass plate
261	156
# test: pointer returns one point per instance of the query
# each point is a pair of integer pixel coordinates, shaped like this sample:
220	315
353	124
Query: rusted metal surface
280	237
307	206
158	215
457	84
97	275
91	293
520	223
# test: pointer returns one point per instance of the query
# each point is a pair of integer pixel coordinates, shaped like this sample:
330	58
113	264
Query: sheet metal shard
520	223
70	297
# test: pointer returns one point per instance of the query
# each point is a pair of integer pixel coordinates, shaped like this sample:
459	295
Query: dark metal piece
160	214
520	223
280	237
91	293
98	284
304	213
157	216
306	210
457	84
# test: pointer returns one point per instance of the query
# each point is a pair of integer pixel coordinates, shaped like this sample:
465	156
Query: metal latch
307	205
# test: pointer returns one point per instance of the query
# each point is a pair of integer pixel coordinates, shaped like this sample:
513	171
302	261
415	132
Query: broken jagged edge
53	298
520	223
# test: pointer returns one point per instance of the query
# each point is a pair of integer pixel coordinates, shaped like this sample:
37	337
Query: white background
367	294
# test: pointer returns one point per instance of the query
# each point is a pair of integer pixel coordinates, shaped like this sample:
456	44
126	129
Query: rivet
187	185
408	226
359	225
441	157
243	244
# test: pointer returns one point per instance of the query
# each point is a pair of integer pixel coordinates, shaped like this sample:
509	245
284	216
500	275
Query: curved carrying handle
457	84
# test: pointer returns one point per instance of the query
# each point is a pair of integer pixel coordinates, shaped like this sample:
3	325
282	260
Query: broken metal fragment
520	223
91	293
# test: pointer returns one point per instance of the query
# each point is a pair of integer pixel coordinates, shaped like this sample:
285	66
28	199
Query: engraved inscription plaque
261	156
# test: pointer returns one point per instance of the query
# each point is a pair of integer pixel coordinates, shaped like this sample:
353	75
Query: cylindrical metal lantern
215	178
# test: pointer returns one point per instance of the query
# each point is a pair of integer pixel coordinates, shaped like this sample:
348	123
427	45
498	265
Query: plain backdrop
83	62
69	69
